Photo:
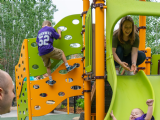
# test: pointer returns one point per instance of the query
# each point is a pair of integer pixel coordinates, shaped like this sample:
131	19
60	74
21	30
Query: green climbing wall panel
88	41
70	42
23	103
154	70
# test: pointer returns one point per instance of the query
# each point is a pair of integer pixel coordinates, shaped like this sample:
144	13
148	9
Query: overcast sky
69	7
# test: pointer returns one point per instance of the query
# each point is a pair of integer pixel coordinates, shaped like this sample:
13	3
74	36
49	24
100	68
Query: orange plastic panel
58	92
20	68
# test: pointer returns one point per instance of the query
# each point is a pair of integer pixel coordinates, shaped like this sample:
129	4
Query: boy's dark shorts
55	54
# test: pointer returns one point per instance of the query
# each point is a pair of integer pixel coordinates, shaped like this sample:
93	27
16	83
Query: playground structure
31	103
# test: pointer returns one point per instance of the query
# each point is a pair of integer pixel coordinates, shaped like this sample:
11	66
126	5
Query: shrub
63	106
80	103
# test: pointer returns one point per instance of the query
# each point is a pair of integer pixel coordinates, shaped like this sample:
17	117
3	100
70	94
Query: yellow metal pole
148	64
28	82
99	46
67	105
87	84
142	32
67	101
142	36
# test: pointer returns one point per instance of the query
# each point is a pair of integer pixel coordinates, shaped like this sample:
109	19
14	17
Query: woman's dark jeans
140	59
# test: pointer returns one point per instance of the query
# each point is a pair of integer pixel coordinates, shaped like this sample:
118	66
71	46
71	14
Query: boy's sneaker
70	68
51	82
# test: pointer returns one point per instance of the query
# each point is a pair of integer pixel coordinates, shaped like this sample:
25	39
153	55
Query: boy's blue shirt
45	40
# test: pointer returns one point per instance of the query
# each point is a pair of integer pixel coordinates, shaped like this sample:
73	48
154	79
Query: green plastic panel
154	70
132	92
73	24
155	81
117	9
23	103
88	41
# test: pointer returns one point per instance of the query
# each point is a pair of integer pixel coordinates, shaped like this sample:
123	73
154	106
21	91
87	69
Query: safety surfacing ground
57	115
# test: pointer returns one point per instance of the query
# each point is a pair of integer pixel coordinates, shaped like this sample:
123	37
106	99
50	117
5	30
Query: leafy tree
152	31
19	20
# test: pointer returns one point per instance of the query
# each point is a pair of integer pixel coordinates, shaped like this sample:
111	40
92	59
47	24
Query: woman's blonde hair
119	32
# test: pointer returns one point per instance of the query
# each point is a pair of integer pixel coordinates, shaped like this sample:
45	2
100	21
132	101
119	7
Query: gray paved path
57	115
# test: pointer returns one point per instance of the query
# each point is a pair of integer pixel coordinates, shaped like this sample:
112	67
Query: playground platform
57	115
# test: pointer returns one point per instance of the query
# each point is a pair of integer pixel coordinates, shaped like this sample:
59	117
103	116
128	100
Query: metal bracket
141	68
94	78
148	58
88	79
82	31
145	51
86	91
94	1
84	74
83	49
149	62
98	5
99	77
141	27
82	58
84	12
87	74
